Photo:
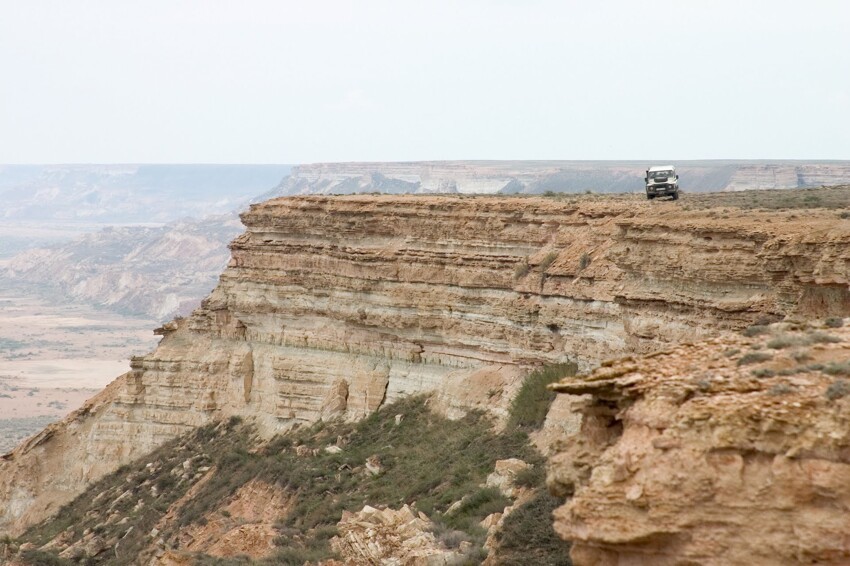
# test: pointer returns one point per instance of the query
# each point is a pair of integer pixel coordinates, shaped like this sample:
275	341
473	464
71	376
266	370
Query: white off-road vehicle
662	181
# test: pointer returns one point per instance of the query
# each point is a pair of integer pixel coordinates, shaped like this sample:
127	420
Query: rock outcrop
730	451
331	307
244	525
387	536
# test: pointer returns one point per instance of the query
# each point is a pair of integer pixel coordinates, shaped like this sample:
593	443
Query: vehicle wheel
676	195
650	197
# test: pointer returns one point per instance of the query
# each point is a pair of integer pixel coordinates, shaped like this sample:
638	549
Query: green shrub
449	537
838	368
584	261
43	558
475	507
764	372
834	322
786	341
754	358
532	476
755	330
821	338
529	407
837	389
293	556
521	270
548	260
780	389
528	537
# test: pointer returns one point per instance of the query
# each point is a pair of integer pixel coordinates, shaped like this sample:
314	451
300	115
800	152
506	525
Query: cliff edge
333	306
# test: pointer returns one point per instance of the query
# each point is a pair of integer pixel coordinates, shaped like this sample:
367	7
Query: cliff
332	307
730	451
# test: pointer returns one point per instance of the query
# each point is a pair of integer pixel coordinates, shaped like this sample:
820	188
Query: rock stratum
333	306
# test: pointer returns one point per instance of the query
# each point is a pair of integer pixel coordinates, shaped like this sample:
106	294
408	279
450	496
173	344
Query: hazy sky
304	81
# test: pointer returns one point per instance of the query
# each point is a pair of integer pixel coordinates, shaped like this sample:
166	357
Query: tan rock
373	536
743	470
504	476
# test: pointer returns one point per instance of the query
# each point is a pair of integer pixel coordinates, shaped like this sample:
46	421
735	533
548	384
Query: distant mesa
537	177
118	194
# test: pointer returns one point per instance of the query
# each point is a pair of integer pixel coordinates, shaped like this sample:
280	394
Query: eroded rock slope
730	451
331	307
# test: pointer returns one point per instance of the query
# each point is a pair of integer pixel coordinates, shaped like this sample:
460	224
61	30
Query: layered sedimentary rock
332	306
730	451
387	536
158	272
787	175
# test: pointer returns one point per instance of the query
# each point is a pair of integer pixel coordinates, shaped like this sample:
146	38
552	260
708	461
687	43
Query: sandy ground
54	357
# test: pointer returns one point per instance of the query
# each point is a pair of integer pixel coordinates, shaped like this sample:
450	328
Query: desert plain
54	357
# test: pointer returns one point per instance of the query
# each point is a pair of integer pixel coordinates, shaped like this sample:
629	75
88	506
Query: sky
180	81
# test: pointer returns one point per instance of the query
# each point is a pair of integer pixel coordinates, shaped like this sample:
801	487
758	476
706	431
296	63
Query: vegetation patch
780	389
754	358
786	341
140	492
756	330
783	341
822	338
838	389
838	368
521	270
530	406
475	507
527	535
423	460
764	372
548	260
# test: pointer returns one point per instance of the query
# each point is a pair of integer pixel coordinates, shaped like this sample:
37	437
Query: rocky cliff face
731	451
787	175
331	307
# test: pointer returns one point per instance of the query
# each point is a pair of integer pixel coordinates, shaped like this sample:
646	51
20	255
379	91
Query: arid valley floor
54	357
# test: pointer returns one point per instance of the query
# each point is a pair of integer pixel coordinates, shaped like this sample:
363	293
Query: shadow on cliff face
403	454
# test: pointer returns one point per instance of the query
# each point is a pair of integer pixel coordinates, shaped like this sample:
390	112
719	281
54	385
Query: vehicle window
656	174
